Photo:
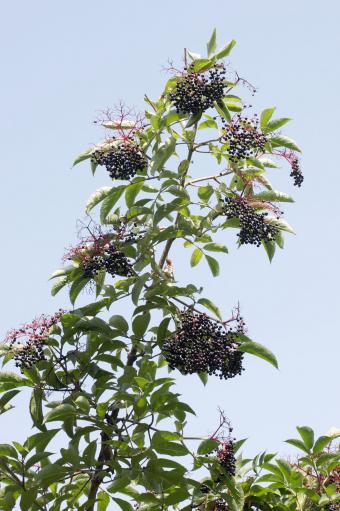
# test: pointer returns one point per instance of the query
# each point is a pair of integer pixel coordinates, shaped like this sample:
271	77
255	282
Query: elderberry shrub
254	228
226	457
200	345
122	161
196	92
244	138
296	173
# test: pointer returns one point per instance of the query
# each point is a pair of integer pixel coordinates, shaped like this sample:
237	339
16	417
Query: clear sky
62	62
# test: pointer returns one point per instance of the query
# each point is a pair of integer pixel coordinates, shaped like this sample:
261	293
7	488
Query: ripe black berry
122	161
220	505
254	228
201	345
196	92
244	138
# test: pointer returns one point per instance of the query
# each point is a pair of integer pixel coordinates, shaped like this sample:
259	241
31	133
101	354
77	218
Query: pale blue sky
62	62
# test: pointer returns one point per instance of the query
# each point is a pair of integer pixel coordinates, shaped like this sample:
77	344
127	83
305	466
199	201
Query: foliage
98	382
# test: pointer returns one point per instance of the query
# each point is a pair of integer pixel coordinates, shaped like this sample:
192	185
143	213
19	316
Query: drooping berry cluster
244	137
226	457
201	345
196	92
100	253
122	161
27	343
296	173
254	227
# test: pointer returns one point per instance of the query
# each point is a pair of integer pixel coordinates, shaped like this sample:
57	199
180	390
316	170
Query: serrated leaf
283	141
10	380
297	443
109	201
203	377
273	196
76	287
224	52
275	124
208	304
119	323
137	288
98	196
270	248
51	474
140	324
307	435
35	407
60	413
196	257
83	156
131	193
58	285
213	265
223	110
207	446
216	247
258	350
321	443
266	115
211	46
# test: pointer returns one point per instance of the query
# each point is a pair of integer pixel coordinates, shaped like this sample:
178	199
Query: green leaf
131	193
60	413
9	381
205	192
119	323
7	397
137	288
125	506
207	446
210	306
223	110
258	350
213	265
196	257
216	247
77	286
321	443
36	408
169	448
109	201
83	156
273	195
211	46
98	196
266	115
282	141
51	474
270	248
140	324
307	435
224	52
203	377
297	443
275	124
103	501
57	286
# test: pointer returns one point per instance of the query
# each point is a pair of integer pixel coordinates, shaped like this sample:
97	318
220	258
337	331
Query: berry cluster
244	138
226	457
122	161
27	343
296	173
220	505
101	253
254	228
200	345
196	92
